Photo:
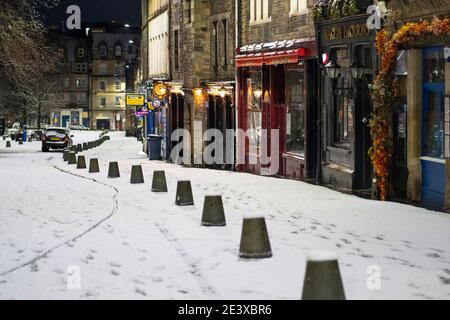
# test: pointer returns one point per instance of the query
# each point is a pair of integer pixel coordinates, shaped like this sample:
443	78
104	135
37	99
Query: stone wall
283	24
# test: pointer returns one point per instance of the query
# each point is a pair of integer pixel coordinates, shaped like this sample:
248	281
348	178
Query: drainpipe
236	91
319	115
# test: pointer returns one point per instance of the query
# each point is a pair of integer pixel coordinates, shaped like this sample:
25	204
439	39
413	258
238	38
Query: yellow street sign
135	99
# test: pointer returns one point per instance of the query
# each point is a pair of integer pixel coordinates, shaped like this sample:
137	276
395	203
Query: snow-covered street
130	243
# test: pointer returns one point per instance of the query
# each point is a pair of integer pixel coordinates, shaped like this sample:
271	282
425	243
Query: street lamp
127	25
357	71
333	70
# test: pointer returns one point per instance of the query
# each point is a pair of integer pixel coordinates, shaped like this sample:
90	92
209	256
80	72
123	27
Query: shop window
433	107
259	11
254	125
434	66
342	103
295	121
343	116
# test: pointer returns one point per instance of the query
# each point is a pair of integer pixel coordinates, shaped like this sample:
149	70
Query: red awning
270	58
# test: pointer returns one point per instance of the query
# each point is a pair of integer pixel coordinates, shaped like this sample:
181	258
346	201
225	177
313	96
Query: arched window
118	49
103	49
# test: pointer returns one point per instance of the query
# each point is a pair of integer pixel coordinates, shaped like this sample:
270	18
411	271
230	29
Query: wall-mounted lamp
258	93
198	90
357	71
333	70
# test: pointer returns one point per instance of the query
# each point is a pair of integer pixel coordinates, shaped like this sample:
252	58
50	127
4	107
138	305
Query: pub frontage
348	63
277	89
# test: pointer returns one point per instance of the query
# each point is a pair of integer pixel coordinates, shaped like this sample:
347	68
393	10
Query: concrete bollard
8	144
93	166
113	171
72	159
159	183
79	148
74	149
255	242
4	138
20	141
81	164
136	175
184	194
66	155
213	212
85	146
322	277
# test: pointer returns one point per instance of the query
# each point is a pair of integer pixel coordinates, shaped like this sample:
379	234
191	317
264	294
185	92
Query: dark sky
123	11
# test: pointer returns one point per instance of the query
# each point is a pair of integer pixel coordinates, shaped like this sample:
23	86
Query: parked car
56	138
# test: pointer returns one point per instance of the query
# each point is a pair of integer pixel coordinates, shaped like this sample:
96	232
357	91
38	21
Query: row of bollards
322	279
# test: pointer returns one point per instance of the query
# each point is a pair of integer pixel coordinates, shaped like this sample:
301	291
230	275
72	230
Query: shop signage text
353	31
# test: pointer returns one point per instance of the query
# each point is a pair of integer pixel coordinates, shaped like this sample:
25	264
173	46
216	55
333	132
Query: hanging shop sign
135	100
160	90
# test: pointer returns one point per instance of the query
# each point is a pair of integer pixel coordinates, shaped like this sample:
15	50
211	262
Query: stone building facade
113	48
201	63
426	104
74	110
277	86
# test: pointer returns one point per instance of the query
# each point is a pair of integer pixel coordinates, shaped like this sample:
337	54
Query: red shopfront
277	85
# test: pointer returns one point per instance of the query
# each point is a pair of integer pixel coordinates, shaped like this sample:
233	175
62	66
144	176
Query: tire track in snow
74	239
192	265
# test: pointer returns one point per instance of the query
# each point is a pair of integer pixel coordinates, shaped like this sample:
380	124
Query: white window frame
81	67
262	12
118	84
298	7
80	52
118	101
81	81
102	85
102	102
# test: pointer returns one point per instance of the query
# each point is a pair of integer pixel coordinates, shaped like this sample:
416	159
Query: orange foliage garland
385	91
